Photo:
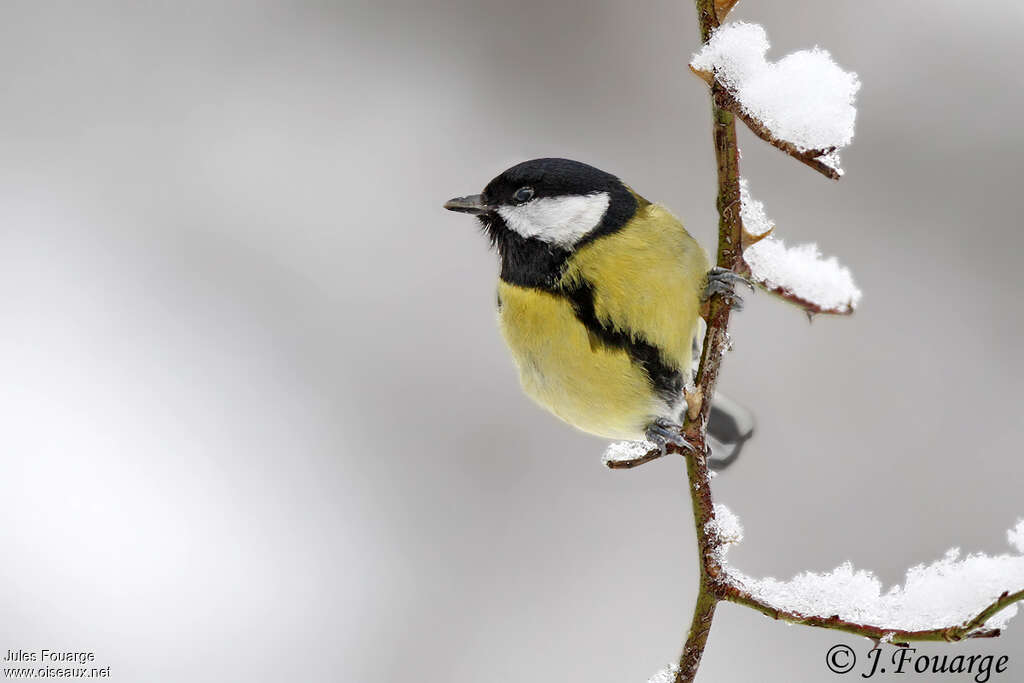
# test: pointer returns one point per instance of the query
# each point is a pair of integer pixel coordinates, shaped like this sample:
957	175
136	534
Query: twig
810	308
726	100
714	584
629	464
1004	601
730	240
970	629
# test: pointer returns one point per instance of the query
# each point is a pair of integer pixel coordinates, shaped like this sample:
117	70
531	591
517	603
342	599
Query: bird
599	300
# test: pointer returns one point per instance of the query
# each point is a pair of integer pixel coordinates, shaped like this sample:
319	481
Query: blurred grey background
258	424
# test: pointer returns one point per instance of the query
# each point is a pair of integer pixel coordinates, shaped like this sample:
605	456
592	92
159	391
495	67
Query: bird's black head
540	211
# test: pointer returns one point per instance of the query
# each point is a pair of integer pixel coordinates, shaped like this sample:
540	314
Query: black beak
473	204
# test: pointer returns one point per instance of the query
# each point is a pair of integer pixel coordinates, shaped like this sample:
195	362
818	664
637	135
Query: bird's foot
723	281
663	432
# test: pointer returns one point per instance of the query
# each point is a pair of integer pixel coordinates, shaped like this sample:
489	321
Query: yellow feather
647	279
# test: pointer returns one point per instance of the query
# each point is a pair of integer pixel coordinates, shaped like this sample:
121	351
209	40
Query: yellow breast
646	280
591	386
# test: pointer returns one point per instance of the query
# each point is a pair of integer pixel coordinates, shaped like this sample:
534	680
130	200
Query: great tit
599	300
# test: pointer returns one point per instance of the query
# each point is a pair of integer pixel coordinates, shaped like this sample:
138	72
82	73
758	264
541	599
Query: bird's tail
730	426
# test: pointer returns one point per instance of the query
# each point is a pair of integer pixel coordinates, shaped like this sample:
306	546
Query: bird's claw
724	274
663	432
723	281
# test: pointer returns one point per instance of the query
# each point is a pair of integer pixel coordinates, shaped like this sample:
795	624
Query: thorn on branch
705	76
750	239
723	7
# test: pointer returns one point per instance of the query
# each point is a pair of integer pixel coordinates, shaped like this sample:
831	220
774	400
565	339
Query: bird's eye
523	194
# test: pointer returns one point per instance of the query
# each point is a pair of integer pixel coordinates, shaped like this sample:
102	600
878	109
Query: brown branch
1004	601
714	584
808	156
973	628
726	100
629	464
730	256
810	308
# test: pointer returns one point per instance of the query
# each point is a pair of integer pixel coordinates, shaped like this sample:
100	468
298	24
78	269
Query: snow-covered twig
835	126
625	455
971	629
809	157
797	274
801	104
949	600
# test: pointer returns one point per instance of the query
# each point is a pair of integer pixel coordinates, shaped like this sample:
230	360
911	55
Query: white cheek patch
559	220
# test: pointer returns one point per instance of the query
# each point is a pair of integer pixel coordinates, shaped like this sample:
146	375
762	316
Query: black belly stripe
666	380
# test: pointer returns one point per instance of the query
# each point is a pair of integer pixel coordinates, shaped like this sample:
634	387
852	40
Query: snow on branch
950	599
624	455
801	104
666	675
723	7
797	274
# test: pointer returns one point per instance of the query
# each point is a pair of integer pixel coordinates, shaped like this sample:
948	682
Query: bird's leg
723	281
663	432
